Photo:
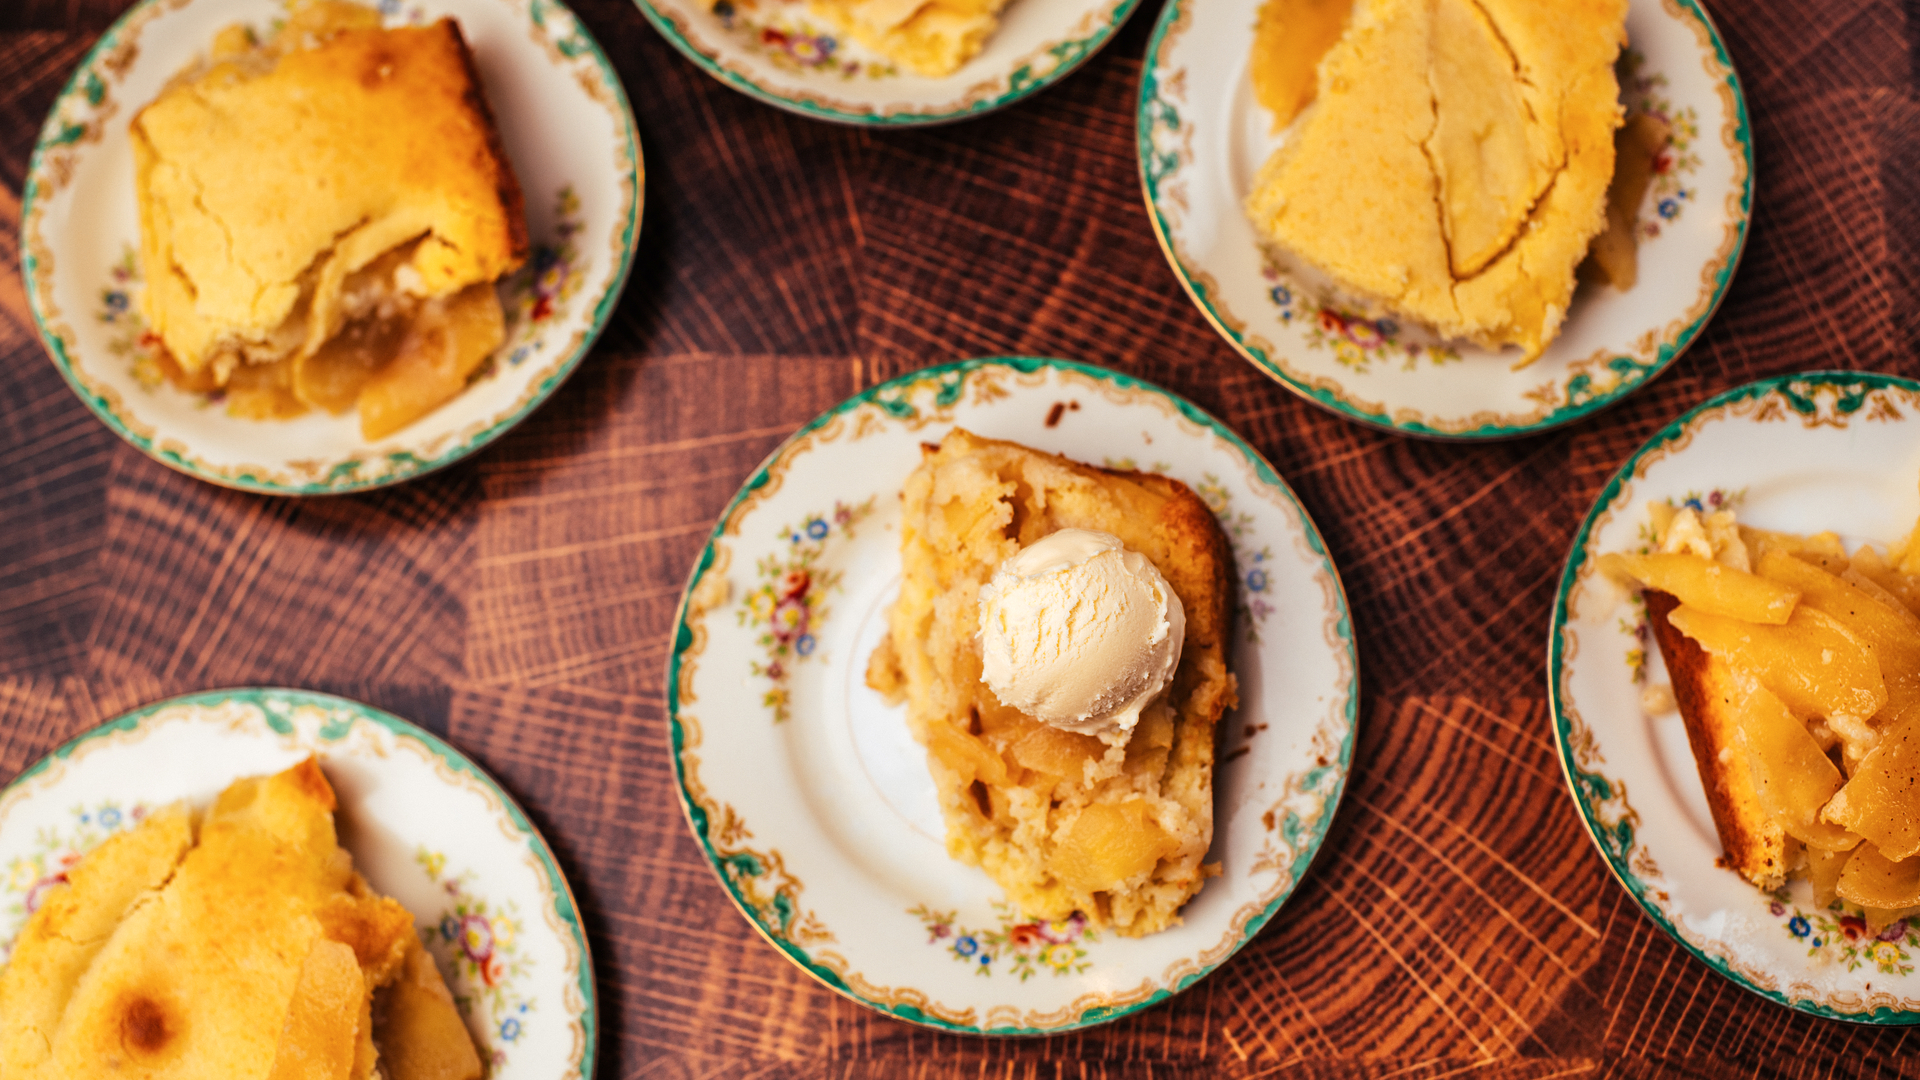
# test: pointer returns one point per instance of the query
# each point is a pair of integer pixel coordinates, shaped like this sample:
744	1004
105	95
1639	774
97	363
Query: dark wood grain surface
1459	923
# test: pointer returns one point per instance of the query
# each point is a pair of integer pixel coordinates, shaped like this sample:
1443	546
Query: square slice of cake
337	176
1064	821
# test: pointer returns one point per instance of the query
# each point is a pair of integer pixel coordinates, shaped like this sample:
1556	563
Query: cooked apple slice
446	343
1791	777
1872	880
1878	801
1109	843
1816	665
1706	585
1892	630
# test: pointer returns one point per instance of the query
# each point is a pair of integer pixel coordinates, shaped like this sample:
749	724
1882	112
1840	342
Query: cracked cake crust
1454	165
268	176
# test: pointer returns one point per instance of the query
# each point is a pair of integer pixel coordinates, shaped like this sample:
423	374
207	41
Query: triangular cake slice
1454	164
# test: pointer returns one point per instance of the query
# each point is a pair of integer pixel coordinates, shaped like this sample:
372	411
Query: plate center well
889	757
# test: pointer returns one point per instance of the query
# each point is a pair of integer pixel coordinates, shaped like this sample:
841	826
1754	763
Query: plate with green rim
424	824
813	803
1202	137
777	52
1797	453
568	131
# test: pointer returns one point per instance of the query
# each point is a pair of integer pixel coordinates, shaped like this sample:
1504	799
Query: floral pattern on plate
1357	342
1838	936
1644	92
777	52
794	43
789	603
1029	947
480	943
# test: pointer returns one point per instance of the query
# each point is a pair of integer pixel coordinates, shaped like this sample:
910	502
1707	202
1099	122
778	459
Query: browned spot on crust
980	798
376	68
145	1027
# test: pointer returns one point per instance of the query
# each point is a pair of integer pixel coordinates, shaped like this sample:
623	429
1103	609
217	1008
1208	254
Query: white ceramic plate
568	131
424	824
812	800
1799	453
1203	137
778	53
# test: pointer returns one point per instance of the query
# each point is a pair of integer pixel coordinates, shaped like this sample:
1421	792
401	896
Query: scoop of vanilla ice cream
1079	632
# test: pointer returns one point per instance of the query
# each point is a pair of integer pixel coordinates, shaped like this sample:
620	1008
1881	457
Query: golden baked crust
1454	165
268	177
60	941
251	951
1046	812
1752	843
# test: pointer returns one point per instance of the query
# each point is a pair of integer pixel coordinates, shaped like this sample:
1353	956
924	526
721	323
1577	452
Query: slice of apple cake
1114	824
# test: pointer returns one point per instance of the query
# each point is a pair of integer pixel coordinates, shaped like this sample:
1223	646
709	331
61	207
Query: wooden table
1458	921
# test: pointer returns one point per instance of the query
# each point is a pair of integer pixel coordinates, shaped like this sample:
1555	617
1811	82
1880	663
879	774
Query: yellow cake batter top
1453	166
271	174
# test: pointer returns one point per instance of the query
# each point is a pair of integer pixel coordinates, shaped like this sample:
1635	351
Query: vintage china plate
813	802
777	52
568	131
1202	138
425	825
1799	453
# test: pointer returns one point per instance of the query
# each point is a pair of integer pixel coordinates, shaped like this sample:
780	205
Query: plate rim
634	179
446	752
1100	39
1197	292
683	638
1557	671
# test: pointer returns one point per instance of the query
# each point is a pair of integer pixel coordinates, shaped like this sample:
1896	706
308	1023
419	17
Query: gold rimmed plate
814	804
